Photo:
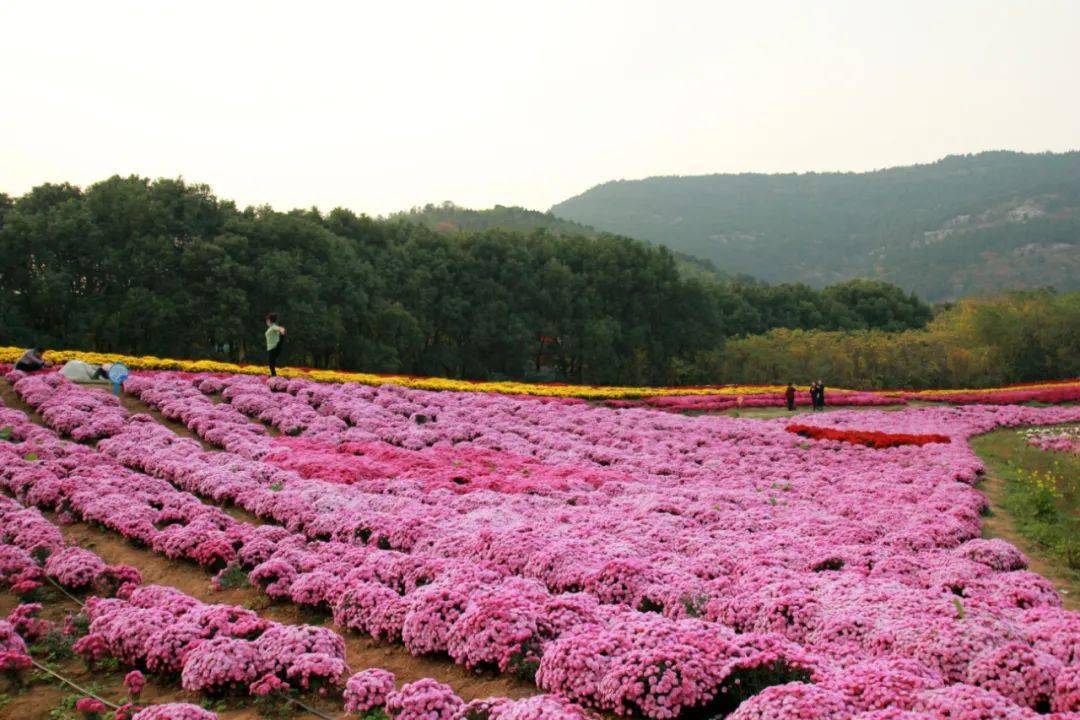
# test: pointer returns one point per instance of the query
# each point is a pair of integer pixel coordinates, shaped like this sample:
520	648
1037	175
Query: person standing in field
789	396
275	340
820	395
814	396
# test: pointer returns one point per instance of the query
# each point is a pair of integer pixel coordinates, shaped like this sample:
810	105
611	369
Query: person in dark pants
31	360
814	396
789	396
275	341
820	395
102	372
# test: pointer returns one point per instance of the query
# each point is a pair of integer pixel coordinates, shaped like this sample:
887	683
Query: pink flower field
627	561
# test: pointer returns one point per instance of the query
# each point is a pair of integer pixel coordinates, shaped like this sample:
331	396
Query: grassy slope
1046	528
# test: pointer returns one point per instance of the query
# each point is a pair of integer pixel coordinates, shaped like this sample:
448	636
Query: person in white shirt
275	341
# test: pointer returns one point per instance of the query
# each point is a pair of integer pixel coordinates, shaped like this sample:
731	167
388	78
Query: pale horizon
379	109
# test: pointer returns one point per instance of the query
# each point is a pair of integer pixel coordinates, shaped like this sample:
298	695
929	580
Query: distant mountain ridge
448	218
962	225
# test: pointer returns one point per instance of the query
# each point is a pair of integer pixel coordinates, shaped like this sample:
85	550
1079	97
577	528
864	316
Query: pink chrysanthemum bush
966	702
368	690
267	686
221	665
10	641
541	707
318	672
1064	440
1017	672
483	708
280	645
893	714
27	623
1067	690
498	629
92	648
74	567
174	711
423	700
432	611
795	701
994	553
134	681
884	683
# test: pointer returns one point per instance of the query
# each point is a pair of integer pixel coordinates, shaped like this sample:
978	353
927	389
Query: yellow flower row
1007	388
149	362
596	392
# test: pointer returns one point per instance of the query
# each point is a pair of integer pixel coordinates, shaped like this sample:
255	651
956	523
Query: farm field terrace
582	558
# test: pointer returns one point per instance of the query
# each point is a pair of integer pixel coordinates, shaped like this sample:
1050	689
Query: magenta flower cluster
26	622
1064	440
10	640
368	689
174	711
134	681
423	700
216	648
69	410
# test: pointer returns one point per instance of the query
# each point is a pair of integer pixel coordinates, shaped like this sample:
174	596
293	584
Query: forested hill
164	267
962	225
450	218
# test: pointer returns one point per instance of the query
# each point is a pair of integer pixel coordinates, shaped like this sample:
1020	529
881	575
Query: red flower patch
869	438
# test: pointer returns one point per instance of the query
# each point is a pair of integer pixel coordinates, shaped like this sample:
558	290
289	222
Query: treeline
164	267
1016	337
451	218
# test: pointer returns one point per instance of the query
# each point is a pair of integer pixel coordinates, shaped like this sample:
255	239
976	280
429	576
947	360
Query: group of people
34	359
817	395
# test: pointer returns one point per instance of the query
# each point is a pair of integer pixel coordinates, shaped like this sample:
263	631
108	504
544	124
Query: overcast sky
378	106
